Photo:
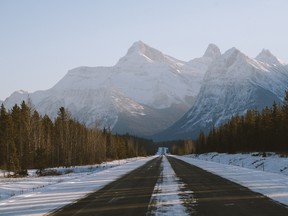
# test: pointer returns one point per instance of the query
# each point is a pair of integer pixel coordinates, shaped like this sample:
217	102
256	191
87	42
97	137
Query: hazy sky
41	40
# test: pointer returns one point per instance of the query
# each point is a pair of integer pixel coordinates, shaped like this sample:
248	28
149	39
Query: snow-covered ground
15	186
166	198
39	195
270	184
269	162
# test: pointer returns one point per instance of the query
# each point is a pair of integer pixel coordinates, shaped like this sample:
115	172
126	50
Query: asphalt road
129	195
214	195
218	196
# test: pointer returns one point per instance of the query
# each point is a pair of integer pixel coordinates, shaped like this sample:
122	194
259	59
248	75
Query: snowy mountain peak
139	47
232	51
267	57
212	52
232	55
140	52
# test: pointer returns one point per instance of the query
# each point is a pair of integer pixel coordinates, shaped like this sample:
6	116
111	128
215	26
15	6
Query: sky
40	40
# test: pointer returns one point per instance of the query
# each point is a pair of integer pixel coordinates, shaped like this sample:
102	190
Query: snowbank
268	162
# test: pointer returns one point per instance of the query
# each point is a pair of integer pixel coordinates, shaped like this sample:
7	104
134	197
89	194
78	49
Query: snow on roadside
15	186
166	198
272	185
42	200
269	162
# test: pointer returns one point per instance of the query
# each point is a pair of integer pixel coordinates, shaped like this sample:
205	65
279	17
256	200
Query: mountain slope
233	84
144	93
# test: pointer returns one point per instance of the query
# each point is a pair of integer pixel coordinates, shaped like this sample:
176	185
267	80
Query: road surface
214	195
218	196
129	195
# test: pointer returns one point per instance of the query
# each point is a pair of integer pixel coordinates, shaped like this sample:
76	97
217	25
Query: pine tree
62	137
12	156
40	160
36	134
25	138
201	142
3	128
47	130
285	123
13	161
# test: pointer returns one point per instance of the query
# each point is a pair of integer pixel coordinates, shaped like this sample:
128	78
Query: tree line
255	131
29	140
179	147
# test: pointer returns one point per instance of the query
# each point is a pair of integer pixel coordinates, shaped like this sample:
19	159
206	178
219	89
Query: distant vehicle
162	151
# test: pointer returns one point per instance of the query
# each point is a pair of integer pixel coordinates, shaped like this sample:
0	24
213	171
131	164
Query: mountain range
151	94
233	84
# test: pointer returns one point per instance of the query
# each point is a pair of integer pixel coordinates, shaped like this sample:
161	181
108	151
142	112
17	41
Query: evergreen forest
29	140
255	131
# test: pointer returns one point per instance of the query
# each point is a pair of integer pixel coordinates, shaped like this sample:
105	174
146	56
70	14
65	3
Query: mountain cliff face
232	84
144	93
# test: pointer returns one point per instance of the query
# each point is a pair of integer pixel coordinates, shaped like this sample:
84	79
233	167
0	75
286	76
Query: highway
214	195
